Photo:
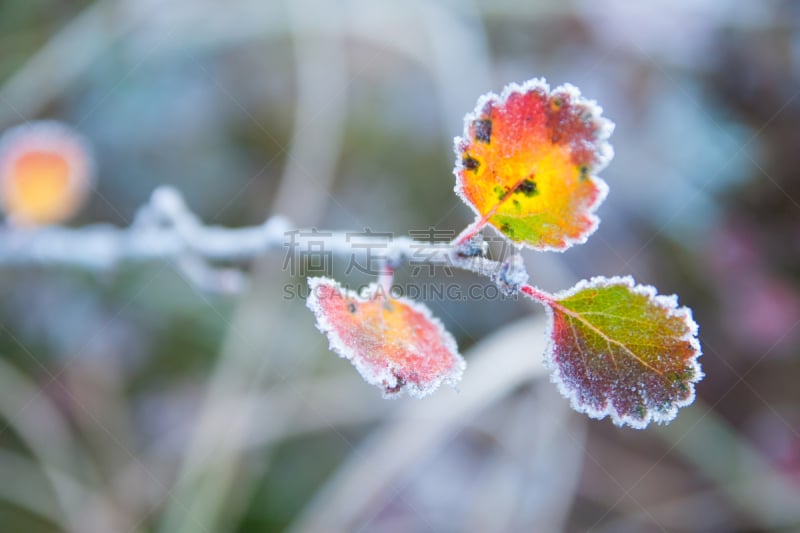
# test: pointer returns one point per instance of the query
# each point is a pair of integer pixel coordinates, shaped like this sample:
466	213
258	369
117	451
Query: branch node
511	275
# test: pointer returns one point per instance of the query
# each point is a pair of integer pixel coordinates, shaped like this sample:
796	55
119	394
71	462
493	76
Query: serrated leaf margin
666	302
604	151
386	378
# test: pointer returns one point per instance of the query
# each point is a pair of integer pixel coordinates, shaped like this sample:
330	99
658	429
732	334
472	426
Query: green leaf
618	349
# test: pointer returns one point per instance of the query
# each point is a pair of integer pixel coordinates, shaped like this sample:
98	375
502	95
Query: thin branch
165	229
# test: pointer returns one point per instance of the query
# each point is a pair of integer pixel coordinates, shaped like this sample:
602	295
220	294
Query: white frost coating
604	152
667	302
383	377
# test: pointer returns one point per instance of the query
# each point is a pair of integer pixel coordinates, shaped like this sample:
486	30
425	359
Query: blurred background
132	402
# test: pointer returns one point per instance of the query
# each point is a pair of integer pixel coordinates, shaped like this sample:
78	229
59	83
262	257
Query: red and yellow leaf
45	173
394	343
527	160
621	350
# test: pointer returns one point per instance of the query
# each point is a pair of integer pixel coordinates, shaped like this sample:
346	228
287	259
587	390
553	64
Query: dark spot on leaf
470	163
351	307
527	187
508	230
399	385
483	130
584	173
556	103
515	202
499	191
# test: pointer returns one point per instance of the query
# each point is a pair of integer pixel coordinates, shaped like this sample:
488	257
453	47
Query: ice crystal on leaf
527	160
394	343
619	349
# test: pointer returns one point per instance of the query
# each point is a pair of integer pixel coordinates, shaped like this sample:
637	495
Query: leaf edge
667	302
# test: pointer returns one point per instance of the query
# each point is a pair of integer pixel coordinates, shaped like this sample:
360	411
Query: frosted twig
164	229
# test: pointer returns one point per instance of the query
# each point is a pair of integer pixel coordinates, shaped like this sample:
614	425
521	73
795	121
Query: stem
385	278
470	231
538	295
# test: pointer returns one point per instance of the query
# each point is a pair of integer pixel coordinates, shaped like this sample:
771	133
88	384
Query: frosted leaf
618	349
394	343
527	160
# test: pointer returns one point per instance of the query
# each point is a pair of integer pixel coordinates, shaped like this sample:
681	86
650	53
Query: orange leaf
394	343
525	164
45	173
